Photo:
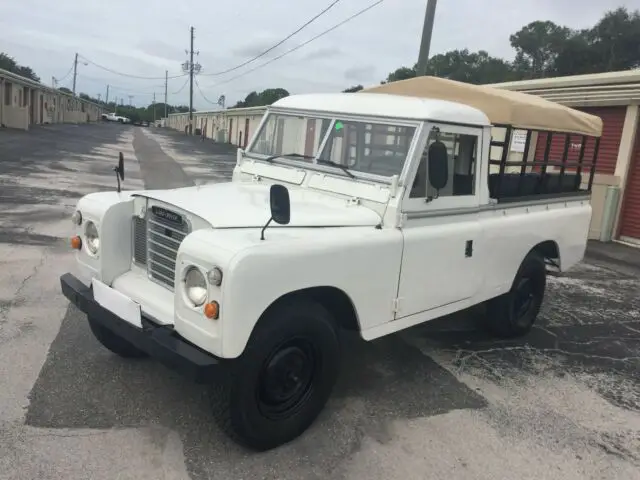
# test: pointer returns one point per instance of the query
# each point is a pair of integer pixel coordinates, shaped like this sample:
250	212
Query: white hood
229	205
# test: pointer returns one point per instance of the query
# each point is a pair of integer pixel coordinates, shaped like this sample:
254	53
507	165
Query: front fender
112	213
362	262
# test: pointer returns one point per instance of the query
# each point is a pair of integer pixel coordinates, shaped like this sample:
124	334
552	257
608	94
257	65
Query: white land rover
371	211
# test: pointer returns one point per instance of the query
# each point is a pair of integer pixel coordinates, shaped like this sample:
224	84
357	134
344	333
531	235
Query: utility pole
425	44
115	107
75	73
191	86
154	107
166	82
130	98
99	96
53	82
191	69
106	100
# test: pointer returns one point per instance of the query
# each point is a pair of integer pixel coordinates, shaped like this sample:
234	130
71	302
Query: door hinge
396	306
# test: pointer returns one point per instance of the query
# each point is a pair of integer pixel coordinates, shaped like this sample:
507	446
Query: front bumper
158	341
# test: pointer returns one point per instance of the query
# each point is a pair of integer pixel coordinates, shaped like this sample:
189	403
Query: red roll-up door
630	219
612	123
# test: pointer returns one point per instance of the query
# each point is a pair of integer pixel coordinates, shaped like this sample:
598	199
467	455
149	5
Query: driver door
441	230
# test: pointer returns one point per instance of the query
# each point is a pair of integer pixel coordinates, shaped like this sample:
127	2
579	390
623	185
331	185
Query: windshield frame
333	116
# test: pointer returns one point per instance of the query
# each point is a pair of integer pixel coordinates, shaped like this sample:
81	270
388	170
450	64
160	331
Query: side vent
140	240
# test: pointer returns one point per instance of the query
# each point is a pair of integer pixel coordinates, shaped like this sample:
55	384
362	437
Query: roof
591	90
505	107
586	80
393	106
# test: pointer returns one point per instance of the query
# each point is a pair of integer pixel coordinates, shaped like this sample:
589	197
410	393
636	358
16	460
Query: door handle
468	249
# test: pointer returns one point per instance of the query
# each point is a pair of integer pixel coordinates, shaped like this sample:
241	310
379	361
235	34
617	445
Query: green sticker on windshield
339	126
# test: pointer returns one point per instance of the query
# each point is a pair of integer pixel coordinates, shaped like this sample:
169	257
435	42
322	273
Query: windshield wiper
311	157
296	155
337	165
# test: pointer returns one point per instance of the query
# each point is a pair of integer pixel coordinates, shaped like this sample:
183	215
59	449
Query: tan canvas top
517	109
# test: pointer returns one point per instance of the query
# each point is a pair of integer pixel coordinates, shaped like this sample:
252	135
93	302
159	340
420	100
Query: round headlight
215	276
195	286
76	218
92	237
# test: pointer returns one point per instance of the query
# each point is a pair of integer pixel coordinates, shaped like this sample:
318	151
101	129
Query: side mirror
438	165
280	204
120	170
280	207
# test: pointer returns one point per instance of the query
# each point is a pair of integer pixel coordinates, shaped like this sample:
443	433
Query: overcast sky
145	38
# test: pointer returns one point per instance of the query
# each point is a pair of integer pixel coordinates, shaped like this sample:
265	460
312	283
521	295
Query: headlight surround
195	286
76	218
92	237
215	276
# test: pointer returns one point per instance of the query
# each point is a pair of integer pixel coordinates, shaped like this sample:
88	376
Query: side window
461	158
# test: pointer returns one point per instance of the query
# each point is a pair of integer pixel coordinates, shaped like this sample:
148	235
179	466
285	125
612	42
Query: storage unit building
24	103
234	125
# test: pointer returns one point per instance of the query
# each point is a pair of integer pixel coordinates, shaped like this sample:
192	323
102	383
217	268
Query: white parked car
371	211
112	117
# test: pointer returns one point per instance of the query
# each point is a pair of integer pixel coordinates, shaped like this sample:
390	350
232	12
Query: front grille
140	240
155	244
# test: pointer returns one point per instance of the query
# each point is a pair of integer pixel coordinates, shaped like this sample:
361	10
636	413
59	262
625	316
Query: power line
181	88
261	54
119	88
115	72
66	74
348	19
203	95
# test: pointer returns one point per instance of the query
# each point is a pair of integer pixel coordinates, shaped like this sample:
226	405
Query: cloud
322	53
360	74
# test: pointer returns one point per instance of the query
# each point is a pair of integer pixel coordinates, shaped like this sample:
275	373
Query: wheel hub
286	379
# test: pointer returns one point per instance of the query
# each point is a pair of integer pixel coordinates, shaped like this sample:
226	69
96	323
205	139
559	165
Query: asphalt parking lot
440	401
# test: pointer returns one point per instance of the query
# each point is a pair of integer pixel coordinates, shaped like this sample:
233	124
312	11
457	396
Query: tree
462	65
266	97
575	56
8	63
537	47
402	73
355	88
615	41
65	90
471	67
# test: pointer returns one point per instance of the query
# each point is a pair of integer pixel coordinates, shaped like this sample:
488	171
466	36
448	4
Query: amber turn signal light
212	310
76	242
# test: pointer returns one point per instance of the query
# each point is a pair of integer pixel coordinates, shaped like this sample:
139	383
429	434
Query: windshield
359	145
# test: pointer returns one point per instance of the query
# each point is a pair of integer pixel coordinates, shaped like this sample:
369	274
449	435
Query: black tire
275	390
514	313
114	343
